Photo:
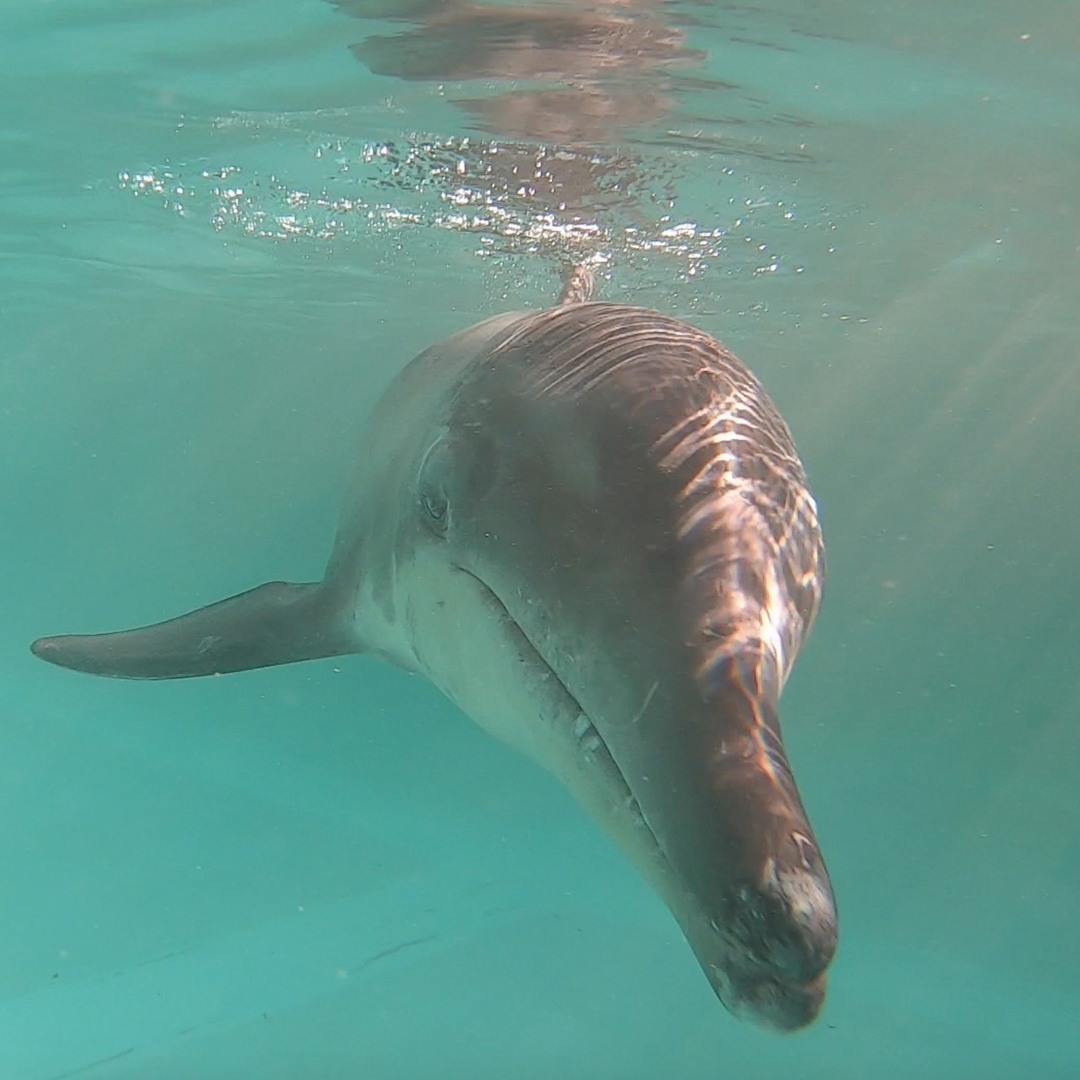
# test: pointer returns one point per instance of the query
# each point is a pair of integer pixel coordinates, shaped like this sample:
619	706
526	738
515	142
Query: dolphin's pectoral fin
276	623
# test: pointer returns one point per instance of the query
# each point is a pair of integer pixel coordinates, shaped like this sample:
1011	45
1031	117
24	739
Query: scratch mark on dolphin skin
394	949
645	704
162	958
94	1064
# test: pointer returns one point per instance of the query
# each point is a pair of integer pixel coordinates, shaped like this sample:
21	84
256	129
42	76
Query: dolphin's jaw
578	756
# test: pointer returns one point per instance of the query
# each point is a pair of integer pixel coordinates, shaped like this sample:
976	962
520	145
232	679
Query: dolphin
589	527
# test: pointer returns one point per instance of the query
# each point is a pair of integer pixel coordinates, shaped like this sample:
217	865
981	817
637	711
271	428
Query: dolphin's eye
436	511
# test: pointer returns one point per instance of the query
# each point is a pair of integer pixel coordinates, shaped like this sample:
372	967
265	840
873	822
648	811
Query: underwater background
225	225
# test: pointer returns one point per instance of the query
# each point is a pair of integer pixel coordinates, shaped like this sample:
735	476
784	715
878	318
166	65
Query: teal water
223	231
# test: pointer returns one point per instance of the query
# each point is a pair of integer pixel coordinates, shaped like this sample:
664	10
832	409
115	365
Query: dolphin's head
623	523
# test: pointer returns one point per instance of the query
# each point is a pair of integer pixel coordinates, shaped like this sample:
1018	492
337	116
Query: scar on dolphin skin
590	528
94	1064
393	950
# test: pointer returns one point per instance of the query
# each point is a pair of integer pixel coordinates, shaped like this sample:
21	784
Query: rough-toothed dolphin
590	528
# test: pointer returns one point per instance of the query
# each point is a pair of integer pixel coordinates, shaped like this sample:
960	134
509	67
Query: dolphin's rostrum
590	528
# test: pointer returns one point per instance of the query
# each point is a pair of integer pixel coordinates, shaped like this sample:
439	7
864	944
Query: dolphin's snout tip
777	944
768	1000
806	929
783	1007
787	928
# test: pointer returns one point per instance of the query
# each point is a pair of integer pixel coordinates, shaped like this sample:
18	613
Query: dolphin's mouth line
584	729
587	737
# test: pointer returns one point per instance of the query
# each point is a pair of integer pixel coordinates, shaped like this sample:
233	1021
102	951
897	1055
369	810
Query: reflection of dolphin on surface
596	69
589	527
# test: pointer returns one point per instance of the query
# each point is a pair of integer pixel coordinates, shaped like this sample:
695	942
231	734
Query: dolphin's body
590	528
